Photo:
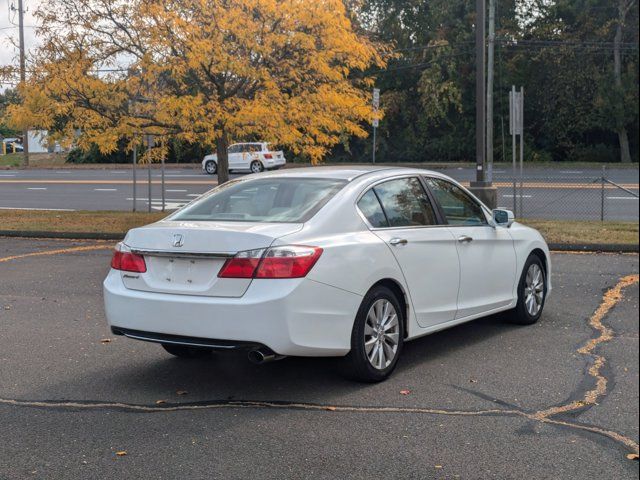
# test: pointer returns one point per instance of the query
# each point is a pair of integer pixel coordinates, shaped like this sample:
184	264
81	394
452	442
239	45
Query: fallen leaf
633	456
7	307
331	409
473	380
160	402
105	340
438	466
405	392
181	392
121	453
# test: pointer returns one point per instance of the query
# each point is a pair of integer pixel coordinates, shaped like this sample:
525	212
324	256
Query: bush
595	153
93	155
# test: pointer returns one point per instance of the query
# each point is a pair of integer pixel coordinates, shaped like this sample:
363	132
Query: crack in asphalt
546	416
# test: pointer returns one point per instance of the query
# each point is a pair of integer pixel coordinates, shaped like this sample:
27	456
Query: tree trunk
222	145
623	137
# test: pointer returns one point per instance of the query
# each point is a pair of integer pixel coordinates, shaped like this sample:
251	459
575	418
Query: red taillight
268	156
288	262
128	262
243	265
292	261
239	268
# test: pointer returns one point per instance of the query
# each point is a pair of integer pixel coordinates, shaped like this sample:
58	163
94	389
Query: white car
322	261
255	157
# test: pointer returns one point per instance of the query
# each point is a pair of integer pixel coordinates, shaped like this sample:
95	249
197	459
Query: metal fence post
602	180
135	160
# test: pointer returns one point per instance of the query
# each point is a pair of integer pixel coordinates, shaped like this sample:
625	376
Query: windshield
286	200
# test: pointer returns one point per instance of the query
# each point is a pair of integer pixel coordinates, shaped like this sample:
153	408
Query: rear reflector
128	262
268	156
292	261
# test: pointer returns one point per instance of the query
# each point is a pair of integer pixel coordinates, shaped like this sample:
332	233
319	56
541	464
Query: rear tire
377	337
211	167
256	166
183	351
532	293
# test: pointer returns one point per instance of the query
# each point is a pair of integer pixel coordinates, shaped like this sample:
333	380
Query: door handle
398	241
465	239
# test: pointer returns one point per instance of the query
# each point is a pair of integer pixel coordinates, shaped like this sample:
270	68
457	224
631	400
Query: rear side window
286	200
404	203
458	207
372	210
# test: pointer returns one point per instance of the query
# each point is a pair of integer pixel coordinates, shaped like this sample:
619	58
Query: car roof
347	172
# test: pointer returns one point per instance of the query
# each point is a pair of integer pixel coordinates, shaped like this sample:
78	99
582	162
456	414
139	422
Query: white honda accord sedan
349	262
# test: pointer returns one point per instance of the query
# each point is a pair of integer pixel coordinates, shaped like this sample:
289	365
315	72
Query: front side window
459	208
405	203
286	200
234	149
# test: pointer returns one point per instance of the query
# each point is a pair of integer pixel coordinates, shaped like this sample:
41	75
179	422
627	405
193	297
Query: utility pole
25	133
481	188
490	70
480	90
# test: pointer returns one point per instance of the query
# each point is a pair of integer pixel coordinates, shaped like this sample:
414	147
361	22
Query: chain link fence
569	198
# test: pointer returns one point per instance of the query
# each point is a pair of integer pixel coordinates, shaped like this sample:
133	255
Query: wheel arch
538	252
400	293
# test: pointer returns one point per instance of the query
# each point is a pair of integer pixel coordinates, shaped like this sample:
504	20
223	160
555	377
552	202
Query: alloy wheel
534	289
381	334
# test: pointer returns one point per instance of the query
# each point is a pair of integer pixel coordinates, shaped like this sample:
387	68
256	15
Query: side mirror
503	218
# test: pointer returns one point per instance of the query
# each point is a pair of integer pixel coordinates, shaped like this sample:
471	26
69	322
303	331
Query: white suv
255	157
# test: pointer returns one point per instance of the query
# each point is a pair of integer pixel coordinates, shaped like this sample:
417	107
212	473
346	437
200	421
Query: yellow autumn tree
290	72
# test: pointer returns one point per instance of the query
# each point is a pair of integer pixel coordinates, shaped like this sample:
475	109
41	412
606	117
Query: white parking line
193	194
39	209
517	196
574	172
623	198
153	200
175	191
36	188
167	175
105	189
7	175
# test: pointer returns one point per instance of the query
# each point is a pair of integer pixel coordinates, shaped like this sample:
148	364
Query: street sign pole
148	186
521	122
512	97
162	181
376	122
516	127
135	160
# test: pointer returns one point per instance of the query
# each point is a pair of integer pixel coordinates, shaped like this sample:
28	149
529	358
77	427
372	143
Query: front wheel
256	166
377	336
183	351
211	167
532	293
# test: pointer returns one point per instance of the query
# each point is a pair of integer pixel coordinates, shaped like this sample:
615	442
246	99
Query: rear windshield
286	200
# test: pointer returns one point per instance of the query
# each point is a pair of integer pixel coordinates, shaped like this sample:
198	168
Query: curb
62	235
593	248
557	247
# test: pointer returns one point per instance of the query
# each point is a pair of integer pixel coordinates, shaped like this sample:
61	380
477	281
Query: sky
8	52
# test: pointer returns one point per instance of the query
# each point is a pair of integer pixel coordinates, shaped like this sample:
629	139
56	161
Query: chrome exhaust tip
263	355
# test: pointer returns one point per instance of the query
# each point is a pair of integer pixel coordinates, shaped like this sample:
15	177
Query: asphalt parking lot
482	400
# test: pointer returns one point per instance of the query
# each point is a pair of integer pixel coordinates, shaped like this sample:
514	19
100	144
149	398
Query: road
485	400
548	193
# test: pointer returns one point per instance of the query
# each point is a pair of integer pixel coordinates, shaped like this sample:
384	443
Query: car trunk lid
185	257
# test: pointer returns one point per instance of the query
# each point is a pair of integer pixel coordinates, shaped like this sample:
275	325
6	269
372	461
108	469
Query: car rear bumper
273	163
298	317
